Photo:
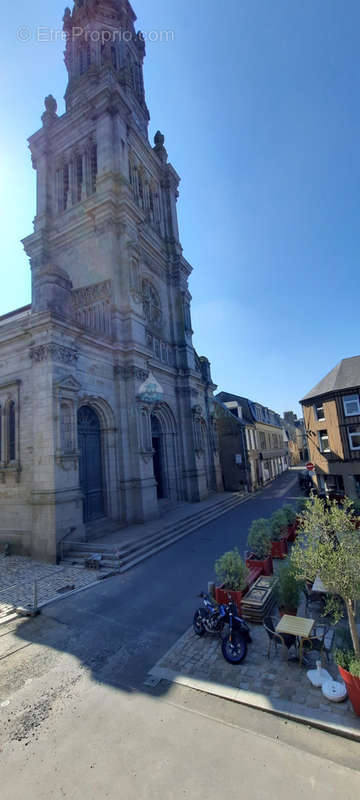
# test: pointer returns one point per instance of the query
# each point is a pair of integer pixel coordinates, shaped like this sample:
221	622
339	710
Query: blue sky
259	103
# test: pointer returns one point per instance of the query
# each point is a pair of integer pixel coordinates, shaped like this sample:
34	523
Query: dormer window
351	405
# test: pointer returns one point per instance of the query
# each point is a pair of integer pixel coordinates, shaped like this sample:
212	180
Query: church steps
124	558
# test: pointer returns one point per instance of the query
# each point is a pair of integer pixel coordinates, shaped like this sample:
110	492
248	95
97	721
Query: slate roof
228	413
252	411
346	375
225	397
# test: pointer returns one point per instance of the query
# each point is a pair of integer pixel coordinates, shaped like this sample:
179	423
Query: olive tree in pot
233	575
287	590
278	529
291	518
328	545
259	543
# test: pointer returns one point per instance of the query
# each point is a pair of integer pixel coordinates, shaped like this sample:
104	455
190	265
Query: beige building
332	422
266	442
105	406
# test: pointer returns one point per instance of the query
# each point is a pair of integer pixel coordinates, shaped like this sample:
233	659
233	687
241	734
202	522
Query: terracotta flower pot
266	564
292	612
291	532
352	683
279	549
221	596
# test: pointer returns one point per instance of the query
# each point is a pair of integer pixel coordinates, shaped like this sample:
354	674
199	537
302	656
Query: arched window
94	167
141	190
151	302
11	432
79	177
66	428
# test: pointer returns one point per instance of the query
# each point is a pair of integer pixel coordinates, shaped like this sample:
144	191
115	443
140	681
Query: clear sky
260	105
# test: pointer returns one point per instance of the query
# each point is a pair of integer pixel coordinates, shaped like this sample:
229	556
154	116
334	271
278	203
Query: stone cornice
131	371
51	351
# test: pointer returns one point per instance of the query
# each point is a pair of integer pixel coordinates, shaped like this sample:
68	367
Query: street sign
310	466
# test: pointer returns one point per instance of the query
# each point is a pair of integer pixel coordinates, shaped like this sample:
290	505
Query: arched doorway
91	475
158	457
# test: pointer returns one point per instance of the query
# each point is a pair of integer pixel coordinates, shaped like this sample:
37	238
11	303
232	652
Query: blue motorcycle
212	618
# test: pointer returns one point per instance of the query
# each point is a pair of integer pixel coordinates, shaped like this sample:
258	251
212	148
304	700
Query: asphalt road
77	721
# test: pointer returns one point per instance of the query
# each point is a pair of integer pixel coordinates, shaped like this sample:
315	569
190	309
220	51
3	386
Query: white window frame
351	434
351	398
328	450
316	406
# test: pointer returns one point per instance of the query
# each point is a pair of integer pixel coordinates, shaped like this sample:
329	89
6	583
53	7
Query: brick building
332	423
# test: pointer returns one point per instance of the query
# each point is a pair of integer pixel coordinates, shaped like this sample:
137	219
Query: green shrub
289	513
300	505
278	525
231	571
355	666
259	538
356	506
288	588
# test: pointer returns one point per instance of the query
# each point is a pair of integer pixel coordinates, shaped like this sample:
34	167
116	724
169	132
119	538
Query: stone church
106	409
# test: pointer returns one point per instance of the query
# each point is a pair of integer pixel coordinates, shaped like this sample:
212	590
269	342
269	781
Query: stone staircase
121	558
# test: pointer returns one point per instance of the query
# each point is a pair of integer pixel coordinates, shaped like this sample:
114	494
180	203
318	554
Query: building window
151	303
67	444
319	412
262	440
94	167
354	437
65	185
324	442
11	430
79	177
351	405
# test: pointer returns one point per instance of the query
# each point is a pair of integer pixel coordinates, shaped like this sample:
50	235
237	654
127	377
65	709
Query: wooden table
300	627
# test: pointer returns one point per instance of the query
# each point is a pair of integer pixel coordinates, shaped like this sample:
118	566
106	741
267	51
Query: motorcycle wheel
234	651
198	625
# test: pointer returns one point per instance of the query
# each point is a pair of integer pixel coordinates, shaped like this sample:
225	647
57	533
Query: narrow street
77	721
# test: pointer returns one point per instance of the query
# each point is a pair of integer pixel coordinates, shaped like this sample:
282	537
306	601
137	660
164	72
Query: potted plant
278	531
233	575
287	590
328	546
356	512
290	514
259	543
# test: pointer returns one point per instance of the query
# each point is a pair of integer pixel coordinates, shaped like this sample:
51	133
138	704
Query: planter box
279	549
291	532
352	684
292	612
221	596
266	564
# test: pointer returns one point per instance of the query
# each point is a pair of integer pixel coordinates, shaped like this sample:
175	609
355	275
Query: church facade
106	410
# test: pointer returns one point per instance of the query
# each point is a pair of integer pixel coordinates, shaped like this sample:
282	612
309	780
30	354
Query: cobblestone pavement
275	683
17	575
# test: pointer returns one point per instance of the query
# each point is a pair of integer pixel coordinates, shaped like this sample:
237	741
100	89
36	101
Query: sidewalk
18	573
272	685
17	576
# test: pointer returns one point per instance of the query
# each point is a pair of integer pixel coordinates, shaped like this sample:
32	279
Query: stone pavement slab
274	685
17	575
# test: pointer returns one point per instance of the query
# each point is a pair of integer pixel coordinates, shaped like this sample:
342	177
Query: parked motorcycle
212	618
